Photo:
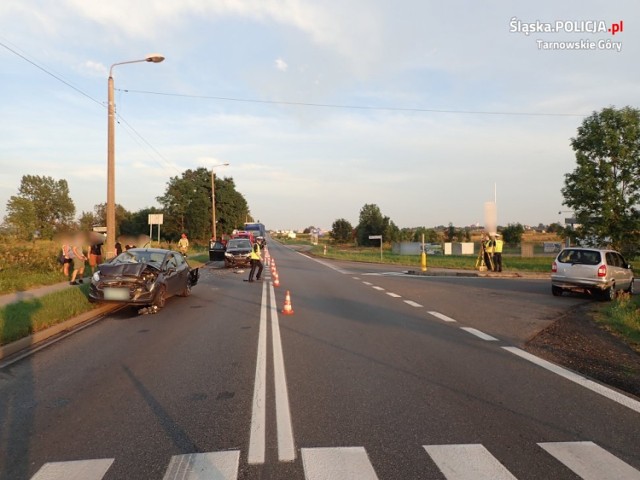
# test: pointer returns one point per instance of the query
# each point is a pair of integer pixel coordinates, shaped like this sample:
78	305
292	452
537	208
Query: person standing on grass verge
77	255
66	259
95	254
183	244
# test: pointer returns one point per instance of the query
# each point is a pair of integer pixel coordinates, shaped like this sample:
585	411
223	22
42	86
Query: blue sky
304	165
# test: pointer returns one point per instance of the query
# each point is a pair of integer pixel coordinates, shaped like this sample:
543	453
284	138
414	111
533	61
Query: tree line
603	192
43	208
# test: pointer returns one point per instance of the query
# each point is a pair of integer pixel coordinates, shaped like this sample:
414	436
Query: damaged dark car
143	276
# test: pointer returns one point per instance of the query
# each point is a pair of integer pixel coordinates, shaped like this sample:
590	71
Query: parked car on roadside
143	276
238	252
600	272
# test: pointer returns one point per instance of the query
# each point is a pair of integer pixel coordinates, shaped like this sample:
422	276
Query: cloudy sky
319	106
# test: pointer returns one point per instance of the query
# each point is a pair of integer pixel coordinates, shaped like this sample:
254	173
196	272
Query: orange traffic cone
288	309
276	280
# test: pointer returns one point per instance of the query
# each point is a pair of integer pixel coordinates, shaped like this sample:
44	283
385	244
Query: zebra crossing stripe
467	462
590	461
75	470
209	466
344	463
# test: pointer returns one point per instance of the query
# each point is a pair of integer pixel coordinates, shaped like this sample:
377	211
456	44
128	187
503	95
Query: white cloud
281	65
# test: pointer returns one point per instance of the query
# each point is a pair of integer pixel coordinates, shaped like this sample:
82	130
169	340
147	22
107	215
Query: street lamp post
213	200
110	246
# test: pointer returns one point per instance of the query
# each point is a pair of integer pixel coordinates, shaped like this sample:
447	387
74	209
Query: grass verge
464	262
16	280
17	320
622	317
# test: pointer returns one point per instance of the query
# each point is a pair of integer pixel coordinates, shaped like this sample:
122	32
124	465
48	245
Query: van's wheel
556	291
609	294
161	297
631	287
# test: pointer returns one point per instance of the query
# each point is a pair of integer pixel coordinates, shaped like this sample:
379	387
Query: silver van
598	271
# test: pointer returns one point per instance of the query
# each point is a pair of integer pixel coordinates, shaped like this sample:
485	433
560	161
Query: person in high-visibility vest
498	243
256	262
487	251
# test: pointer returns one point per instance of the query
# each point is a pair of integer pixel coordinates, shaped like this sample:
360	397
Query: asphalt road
375	375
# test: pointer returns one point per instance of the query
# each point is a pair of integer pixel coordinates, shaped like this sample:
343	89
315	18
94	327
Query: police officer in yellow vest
498	243
256	262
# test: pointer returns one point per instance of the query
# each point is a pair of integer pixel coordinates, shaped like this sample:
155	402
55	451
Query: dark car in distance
144	277
238	252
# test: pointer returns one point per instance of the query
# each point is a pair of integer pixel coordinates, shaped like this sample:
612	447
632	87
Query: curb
457	273
38	337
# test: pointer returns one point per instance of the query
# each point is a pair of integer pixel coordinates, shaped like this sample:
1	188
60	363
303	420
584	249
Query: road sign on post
377	237
155	219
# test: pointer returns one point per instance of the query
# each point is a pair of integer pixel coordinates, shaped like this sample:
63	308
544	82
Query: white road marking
258	413
368	283
326	264
286	446
75	470
394	295
378	288
341	463
209	466
356	278
579	379
479	334
589	461
442	317
467	462
412	303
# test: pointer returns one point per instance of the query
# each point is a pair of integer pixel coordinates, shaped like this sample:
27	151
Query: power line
78	90
352	107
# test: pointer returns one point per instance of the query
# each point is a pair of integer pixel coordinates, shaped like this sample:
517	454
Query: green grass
17	280
464	262
17	320
622	316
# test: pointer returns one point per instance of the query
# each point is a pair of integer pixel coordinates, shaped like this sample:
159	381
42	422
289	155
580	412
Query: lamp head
154	57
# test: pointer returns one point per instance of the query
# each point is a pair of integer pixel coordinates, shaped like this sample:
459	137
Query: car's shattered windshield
131	256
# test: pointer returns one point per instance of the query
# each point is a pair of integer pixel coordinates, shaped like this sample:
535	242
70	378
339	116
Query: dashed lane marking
377	288
479	334
442	317
394	295
412	303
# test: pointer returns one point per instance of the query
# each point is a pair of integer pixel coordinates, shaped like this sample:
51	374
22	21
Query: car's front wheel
161	297
187	288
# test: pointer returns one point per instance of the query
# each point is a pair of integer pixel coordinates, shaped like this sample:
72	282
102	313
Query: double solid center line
257	439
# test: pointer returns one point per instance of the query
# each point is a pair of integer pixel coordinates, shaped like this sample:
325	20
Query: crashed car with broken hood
144	277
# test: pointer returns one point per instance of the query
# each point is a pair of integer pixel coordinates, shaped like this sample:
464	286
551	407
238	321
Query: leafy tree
100	217
372	222
137	223
187	205
42	205
604	189
512	233
430	235
87	221
391	232
450	233
341	230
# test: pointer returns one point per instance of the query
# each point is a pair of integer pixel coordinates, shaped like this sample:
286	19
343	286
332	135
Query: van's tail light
554	267
602	271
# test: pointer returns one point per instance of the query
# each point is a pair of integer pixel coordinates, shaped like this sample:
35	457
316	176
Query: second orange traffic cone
288	309
276	279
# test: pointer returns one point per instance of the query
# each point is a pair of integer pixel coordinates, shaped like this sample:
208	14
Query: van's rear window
582	257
